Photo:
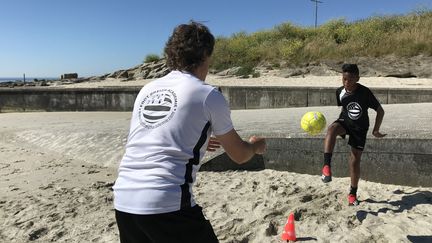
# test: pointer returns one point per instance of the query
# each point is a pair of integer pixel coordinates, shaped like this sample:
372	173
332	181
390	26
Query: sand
57	169
271	80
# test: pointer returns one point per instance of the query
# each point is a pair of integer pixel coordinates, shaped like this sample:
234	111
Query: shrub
245	71
289	48
256	74
151	58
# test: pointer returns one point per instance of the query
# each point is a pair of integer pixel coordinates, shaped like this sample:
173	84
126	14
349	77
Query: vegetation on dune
399	35
151	58
290	45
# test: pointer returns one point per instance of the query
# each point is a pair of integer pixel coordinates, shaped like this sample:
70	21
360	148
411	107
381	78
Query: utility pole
316	11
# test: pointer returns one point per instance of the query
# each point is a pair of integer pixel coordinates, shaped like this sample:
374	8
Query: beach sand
271	80
57	170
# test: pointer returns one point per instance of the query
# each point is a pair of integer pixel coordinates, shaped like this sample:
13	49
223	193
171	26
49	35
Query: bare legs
333	131
354	164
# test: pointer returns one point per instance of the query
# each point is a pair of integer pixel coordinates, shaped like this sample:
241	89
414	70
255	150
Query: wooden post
316	11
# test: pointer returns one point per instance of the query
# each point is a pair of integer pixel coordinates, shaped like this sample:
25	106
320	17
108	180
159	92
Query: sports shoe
352	200
326	174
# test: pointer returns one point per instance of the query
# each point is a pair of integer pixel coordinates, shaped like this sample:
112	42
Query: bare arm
378	121
241	151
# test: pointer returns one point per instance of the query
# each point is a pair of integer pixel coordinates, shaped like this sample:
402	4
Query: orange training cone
288	233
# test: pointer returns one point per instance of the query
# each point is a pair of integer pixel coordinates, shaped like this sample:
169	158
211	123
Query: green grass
151	58
287	44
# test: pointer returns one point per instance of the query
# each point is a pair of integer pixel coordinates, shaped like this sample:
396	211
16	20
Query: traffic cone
288	233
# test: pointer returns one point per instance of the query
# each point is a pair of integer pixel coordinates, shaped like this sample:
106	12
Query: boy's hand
378	134
213	144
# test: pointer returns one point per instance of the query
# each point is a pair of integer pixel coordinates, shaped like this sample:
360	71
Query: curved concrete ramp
391	161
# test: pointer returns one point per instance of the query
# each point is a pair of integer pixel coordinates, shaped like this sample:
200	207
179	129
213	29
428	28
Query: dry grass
399	35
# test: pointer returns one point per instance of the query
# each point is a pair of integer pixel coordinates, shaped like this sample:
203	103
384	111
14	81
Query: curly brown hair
188	46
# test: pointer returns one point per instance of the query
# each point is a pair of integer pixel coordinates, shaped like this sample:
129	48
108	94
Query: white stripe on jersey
342	94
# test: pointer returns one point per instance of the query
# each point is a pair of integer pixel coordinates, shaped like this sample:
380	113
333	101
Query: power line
316	10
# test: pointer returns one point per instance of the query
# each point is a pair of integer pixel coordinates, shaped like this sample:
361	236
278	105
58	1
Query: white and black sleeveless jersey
171	123
355	106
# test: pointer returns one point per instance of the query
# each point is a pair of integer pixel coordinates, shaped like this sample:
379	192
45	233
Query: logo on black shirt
157	108
354	110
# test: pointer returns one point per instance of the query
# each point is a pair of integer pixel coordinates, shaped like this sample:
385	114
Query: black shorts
357	137
186	225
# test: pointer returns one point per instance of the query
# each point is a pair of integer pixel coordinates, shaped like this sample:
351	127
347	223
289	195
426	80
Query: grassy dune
400	35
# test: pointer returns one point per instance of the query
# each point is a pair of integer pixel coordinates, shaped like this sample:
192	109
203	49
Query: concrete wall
282	97
393	161
43	99
122	98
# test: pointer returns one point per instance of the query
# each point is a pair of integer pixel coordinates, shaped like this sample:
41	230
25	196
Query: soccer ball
313	122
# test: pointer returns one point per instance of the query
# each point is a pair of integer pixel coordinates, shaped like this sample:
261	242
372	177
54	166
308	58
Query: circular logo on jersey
354	110
157	108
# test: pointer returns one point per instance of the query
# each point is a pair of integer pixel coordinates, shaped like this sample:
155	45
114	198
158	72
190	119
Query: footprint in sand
34	235
306	198
4	166
271	229
91	172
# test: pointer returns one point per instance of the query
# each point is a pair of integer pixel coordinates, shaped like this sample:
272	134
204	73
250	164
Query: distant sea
28	79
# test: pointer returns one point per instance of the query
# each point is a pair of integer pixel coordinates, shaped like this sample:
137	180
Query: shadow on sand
407	202
420	238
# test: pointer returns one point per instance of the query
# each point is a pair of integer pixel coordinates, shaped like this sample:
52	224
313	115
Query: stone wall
122	98
398	161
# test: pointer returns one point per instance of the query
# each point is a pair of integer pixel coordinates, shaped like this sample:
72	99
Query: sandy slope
57	170
271	80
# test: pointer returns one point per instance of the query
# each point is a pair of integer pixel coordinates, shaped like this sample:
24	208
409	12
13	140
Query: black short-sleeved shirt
355	106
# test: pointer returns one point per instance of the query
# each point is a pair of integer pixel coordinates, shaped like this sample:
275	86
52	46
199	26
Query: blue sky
46	38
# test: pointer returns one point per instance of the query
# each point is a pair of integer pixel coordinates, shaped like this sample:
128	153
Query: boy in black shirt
353	120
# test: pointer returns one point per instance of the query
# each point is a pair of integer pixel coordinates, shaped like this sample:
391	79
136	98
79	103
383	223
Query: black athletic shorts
186	225
357	137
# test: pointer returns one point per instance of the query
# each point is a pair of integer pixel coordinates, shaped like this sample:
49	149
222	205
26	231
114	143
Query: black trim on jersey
154	117
186	196
156	108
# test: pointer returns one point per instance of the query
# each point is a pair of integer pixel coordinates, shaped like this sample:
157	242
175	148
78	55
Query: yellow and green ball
313	122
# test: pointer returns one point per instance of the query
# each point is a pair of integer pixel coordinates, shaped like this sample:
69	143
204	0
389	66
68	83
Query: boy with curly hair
172	120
